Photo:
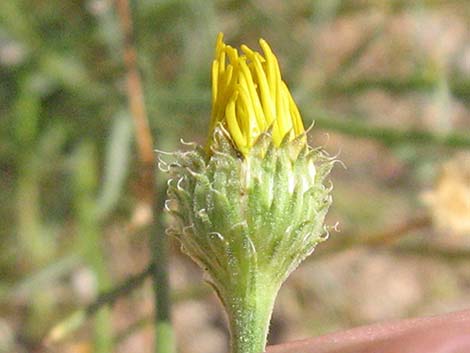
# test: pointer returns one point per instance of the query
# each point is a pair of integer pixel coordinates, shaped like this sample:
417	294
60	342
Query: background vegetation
387	82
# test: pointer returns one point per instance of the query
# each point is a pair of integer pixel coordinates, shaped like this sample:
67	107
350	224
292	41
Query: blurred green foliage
66	139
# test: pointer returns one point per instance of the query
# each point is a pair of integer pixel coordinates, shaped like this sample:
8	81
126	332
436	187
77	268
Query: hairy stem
249	315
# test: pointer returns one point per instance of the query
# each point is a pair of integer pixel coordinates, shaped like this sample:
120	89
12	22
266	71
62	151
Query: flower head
249	222
249	97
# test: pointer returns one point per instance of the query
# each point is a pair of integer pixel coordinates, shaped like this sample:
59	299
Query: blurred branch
419	82
394	234
432	251
384	238
78	318
164	333
386	135
197	291
108	298
134	85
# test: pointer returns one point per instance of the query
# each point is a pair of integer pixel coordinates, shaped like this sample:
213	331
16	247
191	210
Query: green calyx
249	221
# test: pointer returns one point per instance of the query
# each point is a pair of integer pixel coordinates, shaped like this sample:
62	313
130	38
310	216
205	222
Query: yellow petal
249	97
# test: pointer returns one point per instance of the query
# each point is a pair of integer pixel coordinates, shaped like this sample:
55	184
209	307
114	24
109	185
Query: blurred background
387	82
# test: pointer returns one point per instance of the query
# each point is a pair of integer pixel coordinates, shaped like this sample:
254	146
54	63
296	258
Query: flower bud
252	203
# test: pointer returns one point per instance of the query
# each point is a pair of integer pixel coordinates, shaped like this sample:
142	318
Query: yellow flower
252	206
249	97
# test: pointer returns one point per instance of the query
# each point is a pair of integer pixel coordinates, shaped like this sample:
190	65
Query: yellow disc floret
249	97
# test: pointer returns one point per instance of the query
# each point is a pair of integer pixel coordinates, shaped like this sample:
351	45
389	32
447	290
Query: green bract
249	221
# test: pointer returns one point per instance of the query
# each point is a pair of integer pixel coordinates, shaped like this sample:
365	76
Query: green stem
165	340
249	318
90	237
